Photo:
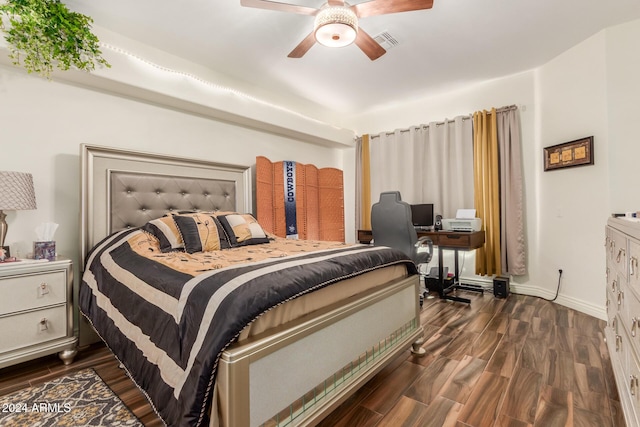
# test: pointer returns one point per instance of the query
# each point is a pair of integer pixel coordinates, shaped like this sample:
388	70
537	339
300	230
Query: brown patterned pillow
167	233
201	232
242	229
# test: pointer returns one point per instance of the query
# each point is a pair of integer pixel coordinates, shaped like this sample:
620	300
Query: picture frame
569	154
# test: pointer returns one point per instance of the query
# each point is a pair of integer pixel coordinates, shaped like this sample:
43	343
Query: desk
446	240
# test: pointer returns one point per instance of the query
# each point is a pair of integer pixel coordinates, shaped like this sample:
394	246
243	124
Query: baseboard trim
485	283
599	312
570	302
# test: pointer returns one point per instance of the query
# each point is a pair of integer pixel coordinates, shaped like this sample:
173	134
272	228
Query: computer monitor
422	215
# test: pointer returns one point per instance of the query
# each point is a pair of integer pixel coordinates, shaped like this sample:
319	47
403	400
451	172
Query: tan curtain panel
512	239
366	185
487	190
319	200
359	203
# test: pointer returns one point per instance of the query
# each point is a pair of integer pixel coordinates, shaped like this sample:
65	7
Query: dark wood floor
521	361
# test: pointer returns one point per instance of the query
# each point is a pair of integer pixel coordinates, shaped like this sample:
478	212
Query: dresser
622	243
36	311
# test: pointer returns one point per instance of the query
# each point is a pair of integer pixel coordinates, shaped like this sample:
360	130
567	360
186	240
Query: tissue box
44	250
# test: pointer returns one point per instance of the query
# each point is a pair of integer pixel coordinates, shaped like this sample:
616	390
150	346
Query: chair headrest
390	196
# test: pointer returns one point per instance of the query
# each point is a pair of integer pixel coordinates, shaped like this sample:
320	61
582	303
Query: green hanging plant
45	33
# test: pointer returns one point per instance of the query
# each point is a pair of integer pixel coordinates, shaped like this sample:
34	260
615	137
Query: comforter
169	326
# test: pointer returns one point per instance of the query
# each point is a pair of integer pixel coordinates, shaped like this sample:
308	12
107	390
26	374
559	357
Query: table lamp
16	193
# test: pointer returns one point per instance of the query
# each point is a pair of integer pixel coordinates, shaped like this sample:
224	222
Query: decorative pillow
242	229
223	213
201	232
167	233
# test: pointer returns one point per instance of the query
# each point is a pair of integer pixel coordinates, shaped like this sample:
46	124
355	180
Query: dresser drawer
632	320
634	267
617	253
33	327
30	291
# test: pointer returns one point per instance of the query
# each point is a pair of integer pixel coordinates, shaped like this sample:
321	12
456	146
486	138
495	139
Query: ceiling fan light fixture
336	26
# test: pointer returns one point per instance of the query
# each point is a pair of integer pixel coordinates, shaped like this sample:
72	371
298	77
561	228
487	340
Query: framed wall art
568	154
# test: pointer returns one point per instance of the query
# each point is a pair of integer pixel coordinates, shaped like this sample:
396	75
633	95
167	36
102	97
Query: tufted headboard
122	188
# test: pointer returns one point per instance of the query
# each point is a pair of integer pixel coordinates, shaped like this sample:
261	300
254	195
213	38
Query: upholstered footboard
299	373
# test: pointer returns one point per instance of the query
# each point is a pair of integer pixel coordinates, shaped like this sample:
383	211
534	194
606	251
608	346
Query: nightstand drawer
29	291
33	327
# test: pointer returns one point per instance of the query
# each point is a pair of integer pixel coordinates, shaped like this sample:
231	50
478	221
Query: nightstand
36	311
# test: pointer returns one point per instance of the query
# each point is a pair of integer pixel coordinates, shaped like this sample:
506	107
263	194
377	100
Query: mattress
169	316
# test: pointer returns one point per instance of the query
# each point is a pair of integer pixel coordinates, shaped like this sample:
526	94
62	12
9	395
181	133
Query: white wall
514	89
572	203
623	109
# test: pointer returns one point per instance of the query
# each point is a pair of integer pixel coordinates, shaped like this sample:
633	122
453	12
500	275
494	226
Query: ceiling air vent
386	40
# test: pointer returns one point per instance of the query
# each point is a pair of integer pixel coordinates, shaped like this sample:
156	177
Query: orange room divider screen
319	200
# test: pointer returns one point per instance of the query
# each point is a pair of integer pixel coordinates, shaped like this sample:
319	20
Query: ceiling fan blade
281	7
368	45
335	2
382	7
303	47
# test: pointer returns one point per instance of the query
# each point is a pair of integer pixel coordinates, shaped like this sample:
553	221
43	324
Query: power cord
558	288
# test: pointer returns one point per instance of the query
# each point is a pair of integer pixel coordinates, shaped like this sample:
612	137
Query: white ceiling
457	42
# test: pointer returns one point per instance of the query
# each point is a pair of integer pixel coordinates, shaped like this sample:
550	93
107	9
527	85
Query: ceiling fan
336	23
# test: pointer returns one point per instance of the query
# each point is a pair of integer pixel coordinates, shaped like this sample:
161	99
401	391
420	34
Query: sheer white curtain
427	164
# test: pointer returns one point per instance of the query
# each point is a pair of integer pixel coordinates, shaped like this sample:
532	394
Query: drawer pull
633	384
44	324
633	265
618	342
620	297
634	326
607	274
621	253
614	285
44	289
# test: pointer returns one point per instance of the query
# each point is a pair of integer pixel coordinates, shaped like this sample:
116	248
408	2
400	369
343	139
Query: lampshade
336	26
16	191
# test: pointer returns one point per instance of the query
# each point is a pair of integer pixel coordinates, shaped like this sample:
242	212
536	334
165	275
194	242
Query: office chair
392	226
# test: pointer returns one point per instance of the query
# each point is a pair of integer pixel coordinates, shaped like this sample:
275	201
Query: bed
223	330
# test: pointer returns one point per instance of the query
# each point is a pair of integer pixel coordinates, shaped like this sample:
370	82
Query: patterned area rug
79	399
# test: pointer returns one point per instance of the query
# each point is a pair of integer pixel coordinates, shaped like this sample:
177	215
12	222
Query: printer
465	220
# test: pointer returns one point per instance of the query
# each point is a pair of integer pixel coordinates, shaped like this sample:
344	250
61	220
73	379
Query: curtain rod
506	108
470	116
